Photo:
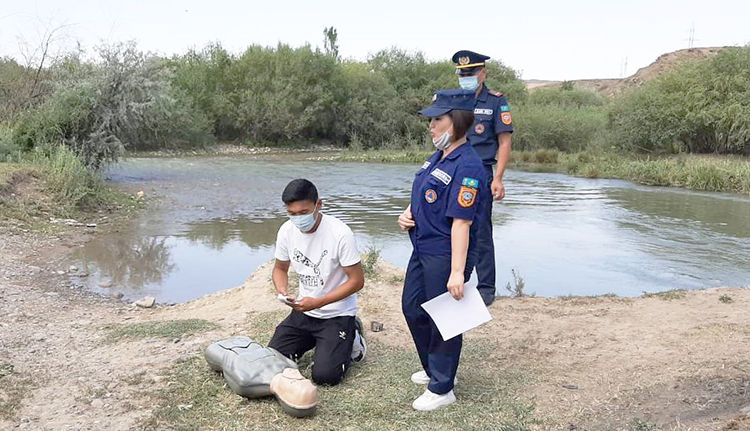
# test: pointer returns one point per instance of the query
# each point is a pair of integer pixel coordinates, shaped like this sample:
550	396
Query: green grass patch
729	174
53	183
376	395
13	389
168	329
726	299
370	260
384	156
667	295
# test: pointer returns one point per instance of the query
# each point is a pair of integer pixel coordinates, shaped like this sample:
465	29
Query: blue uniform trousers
485	248
426	278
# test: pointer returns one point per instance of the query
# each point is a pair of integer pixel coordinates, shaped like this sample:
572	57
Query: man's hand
497	188
456	285
306	304
405	220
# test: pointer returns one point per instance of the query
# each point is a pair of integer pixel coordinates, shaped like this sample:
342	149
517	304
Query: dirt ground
672	361
615	86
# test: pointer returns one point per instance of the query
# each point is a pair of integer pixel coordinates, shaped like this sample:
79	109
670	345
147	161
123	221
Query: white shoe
431	401
359	349
421	378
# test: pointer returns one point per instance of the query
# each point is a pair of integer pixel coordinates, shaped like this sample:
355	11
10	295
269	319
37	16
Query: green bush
123	102
701	107
557	127
127	100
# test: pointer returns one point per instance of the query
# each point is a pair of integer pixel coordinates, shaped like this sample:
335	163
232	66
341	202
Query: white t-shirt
319	259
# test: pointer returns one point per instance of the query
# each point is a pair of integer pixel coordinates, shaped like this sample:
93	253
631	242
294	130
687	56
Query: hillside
613	87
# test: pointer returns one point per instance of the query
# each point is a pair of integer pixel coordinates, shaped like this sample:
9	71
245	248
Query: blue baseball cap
445	101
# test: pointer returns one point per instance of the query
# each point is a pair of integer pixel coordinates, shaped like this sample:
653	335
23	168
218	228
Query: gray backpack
248	367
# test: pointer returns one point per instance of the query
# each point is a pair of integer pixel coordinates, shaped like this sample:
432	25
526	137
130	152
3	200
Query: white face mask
442	143
304	222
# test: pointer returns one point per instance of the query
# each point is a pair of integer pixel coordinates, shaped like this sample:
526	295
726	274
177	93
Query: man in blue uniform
490	137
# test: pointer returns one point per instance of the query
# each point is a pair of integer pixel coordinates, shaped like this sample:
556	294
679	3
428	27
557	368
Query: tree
330	42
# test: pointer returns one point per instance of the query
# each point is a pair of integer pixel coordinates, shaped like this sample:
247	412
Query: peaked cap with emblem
467	61
444	101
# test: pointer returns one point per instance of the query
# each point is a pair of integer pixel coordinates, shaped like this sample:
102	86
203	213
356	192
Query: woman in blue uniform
441	223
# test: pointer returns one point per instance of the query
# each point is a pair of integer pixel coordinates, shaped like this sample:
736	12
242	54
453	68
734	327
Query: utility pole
691	39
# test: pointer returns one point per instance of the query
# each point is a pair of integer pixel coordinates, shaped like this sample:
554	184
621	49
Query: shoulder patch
506	118
467	196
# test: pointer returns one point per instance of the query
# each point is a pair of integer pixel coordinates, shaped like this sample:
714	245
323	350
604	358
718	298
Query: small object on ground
359	348
376	326
90	224
571	387
146	302
118	295
429	401
72	268
140	194
105	284
6	370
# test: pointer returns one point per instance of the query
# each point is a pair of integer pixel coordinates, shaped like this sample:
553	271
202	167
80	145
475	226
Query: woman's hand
405	220
456	285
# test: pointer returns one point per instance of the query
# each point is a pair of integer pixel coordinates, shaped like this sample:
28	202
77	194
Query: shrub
700	107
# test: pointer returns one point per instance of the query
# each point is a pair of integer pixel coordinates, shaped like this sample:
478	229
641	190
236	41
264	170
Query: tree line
123	99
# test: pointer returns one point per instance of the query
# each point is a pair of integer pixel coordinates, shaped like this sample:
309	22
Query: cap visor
433	111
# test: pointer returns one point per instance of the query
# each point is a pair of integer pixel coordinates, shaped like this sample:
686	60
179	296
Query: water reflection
217	217
131	261
216	233
721	213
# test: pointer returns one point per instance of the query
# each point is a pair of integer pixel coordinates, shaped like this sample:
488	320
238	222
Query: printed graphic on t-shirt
312	281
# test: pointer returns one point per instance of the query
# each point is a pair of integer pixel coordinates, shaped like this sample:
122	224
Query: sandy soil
597	362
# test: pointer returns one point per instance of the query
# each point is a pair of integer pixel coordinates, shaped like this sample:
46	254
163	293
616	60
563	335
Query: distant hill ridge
613	87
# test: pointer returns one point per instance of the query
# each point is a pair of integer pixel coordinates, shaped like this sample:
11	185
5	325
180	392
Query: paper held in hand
456	317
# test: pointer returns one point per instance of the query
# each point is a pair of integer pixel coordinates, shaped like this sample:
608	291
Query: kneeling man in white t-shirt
322	250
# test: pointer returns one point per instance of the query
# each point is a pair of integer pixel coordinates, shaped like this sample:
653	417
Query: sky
544	39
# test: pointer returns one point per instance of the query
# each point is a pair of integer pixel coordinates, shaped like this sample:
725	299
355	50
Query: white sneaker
421	378
431	401
359	349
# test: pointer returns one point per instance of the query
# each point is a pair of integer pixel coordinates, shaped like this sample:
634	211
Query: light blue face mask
304	222
468	82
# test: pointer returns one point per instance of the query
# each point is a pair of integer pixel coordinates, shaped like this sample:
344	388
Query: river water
215	221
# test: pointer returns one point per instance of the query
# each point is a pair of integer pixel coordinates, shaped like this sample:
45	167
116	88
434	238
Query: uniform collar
483	94
458	151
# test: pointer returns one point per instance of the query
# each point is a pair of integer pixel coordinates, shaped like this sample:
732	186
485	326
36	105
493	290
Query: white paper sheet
456	317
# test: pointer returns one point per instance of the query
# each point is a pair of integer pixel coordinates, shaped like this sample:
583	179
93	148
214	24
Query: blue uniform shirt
491	118
443	190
